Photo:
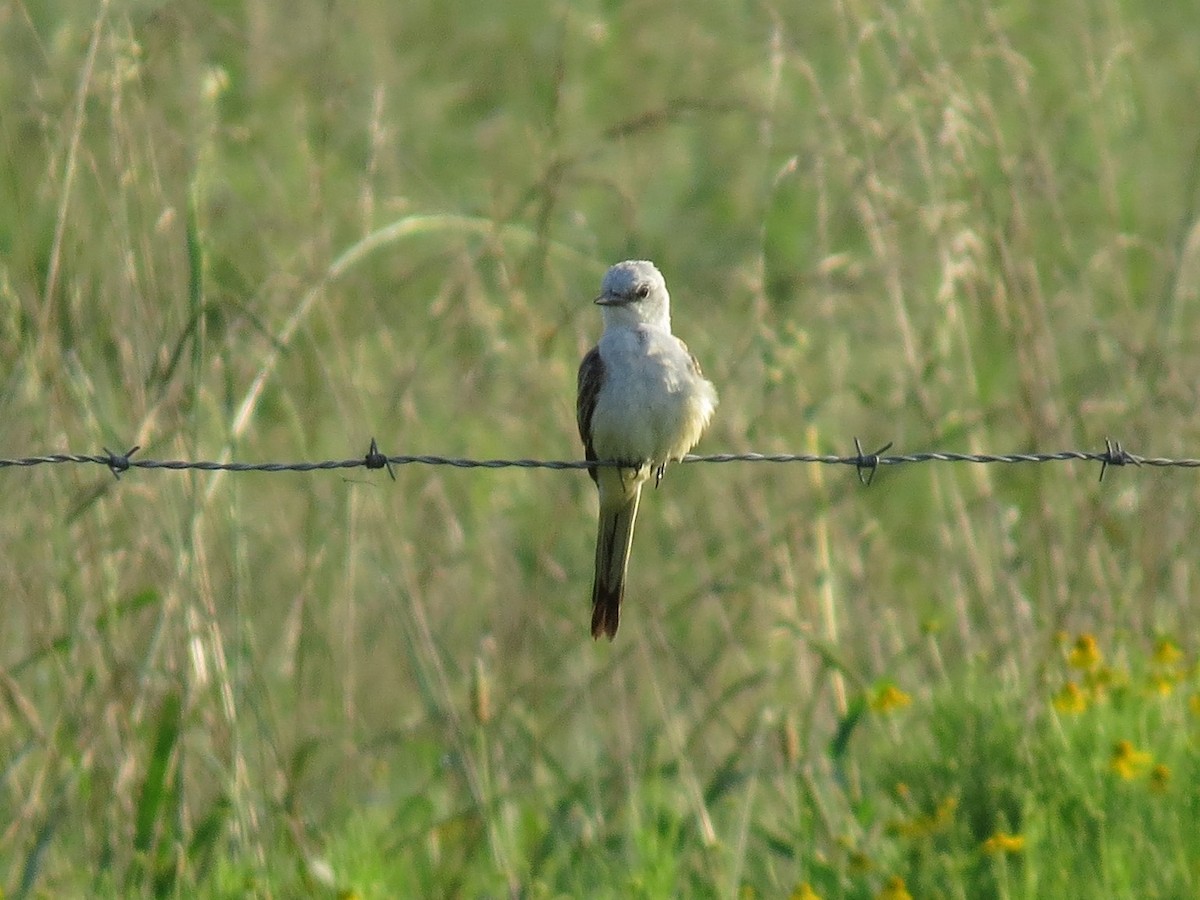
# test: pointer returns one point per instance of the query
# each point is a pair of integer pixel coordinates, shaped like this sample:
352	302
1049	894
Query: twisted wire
865	463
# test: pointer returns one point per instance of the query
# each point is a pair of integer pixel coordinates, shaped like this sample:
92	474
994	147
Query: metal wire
865	463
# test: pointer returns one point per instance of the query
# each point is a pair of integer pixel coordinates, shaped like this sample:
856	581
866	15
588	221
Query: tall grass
265	231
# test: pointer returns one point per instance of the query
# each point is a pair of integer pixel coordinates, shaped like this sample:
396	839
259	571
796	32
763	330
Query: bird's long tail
617	515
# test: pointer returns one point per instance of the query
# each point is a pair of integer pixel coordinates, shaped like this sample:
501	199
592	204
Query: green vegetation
270	231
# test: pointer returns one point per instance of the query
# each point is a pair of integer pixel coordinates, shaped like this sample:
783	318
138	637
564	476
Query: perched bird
642	402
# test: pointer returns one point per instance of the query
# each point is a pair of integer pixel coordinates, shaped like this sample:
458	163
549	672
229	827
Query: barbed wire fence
865	464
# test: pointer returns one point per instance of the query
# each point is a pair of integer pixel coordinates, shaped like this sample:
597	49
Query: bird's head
634	293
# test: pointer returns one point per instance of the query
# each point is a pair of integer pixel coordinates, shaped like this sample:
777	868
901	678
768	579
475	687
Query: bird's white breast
654	404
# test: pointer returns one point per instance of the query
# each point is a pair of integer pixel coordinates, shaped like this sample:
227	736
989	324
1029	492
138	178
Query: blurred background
271	232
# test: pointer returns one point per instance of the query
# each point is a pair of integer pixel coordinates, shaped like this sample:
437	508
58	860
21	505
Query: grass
263	232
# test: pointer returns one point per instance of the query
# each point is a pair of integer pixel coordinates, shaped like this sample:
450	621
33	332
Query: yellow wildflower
917	827
1194	704
1102	681
1161	684
1085	654
1160	779
856	860
805	892
895	889
944	813
889	698
931	823
1070	699
1003	842
1166	653
1127	761
859	862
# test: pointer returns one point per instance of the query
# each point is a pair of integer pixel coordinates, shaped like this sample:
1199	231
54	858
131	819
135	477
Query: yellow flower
859	862
856	860
1194	704
909	828
1166	653
805	892
889	698
944	813
894	890
1160	779
932	823
1102	681
1127	761
1161	684
1085	654
1002	842
1070	699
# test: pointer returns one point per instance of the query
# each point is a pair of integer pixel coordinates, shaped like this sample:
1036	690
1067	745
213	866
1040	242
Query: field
274	231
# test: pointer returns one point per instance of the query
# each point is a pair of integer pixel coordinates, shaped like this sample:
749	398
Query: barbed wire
865	464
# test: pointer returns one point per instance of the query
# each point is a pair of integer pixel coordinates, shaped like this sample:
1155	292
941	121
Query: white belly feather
655	404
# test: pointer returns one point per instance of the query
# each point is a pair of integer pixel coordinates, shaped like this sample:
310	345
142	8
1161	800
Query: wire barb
376	460
867	466
118	463
1115	455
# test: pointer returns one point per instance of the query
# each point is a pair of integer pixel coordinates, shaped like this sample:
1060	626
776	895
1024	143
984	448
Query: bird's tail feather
612	562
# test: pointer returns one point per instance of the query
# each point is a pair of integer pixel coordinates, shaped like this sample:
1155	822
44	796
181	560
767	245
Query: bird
643	402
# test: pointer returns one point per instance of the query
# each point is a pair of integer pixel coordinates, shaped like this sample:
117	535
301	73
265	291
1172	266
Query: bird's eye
642	292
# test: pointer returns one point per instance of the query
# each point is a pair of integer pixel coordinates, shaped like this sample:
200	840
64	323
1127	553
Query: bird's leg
634	475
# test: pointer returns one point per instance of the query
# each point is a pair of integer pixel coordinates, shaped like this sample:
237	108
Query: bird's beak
610	300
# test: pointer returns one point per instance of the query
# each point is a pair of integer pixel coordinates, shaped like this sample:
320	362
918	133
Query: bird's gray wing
591	379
